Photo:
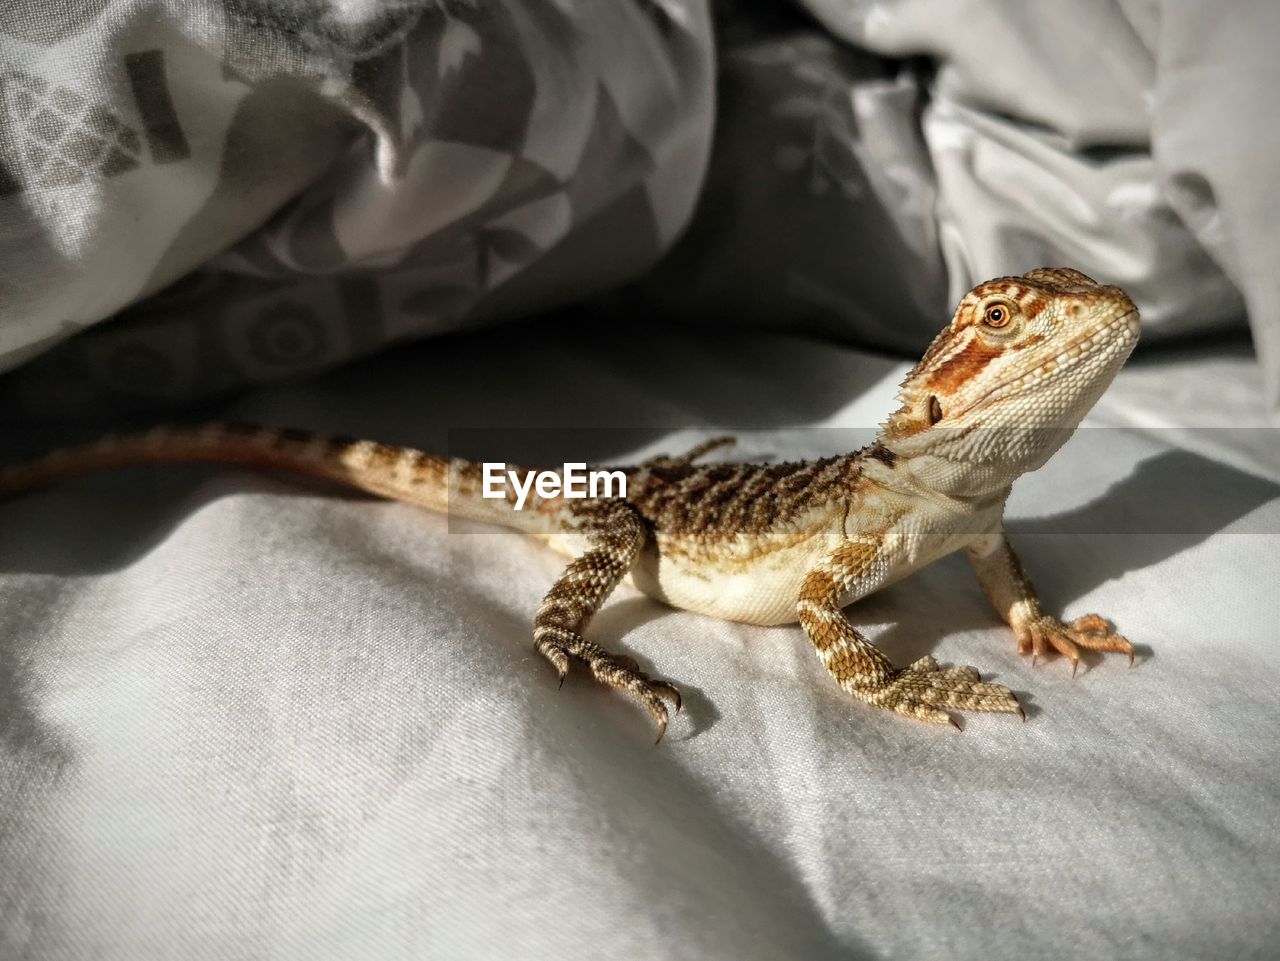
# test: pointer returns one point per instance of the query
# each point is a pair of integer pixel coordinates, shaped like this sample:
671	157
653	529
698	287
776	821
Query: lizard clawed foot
1092	632
925	691
616	671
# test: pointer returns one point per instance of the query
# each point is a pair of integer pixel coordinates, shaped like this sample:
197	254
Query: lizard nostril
1074	310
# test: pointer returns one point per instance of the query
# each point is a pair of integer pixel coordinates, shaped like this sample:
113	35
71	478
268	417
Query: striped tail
448	485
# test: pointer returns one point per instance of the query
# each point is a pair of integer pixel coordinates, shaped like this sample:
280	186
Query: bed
247	716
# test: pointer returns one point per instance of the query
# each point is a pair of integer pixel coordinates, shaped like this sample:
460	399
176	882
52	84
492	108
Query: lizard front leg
615	533
922	690
1007	586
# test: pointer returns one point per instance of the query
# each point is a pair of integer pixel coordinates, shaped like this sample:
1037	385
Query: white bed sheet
245	718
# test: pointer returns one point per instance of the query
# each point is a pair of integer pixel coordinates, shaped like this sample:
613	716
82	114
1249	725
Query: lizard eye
997	315
935	410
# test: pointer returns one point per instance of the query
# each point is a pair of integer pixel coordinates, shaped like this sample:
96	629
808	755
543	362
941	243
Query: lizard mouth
1116	331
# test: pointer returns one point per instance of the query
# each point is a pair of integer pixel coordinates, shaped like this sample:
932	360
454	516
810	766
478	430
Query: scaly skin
999	390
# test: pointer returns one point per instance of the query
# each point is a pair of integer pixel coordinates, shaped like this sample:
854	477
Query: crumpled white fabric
1125	137
244	717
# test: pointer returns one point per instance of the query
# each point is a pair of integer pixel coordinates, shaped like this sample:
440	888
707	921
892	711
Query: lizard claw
1091	632
668	692
662	729
556	654
613	670
652	694
1096	634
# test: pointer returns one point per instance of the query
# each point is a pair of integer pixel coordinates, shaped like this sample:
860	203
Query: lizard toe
923	711
1046	634
926	663
646	692
927	694
966	673
1091	632
555	653
1091	624
668	692
621	673
1095	633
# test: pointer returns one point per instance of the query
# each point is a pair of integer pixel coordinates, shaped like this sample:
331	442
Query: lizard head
1008	380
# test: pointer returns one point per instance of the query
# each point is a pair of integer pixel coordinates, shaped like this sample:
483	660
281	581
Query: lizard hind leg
614	533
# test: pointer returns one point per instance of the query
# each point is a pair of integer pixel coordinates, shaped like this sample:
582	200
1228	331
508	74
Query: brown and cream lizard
998	391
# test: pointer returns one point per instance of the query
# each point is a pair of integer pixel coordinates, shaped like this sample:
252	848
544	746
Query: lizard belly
735	583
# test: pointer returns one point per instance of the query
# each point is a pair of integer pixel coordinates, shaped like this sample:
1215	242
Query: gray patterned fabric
249	190
310	181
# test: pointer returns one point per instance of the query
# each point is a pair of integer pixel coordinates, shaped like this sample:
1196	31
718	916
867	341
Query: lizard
997	392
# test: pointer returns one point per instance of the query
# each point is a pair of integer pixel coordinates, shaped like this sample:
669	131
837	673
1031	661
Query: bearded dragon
998	391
